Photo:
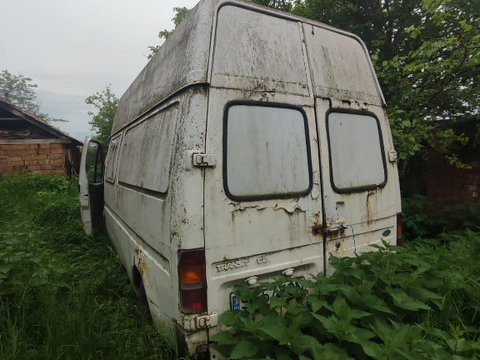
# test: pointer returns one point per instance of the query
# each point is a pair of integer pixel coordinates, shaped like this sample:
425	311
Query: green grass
64	295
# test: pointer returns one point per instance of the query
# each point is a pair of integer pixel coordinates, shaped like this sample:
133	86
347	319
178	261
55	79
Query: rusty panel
340	66
147	227
258	52
354	215
182	60
257	237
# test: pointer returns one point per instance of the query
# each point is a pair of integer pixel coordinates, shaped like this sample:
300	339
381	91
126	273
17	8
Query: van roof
338	64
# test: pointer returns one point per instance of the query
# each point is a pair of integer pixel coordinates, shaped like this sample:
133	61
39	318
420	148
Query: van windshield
356	152
266	152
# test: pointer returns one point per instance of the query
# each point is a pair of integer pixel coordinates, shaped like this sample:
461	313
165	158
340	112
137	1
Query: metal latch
392	156
203	160
195	322
207	321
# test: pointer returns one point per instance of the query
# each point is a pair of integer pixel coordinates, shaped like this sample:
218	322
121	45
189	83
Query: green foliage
106	103
417	302
64	295
422	218
19	91
427	58
180	13
284	5
435	80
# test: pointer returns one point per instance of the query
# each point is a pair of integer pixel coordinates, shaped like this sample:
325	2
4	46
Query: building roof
10	113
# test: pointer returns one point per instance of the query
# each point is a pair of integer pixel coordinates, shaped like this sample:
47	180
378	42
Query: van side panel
181	61
148	148
154	206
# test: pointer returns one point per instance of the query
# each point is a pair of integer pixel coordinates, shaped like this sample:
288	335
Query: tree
106	103
427	57
426	54
180	13
19	91
435	84
284	5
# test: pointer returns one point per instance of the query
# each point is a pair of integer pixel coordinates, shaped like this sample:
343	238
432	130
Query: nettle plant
418	302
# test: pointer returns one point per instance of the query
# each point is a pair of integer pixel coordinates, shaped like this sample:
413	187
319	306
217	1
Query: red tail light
193	285
399	230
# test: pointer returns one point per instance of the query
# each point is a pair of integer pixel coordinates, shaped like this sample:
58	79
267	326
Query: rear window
266	152
356	152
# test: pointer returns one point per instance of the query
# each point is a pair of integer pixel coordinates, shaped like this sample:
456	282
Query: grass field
64	295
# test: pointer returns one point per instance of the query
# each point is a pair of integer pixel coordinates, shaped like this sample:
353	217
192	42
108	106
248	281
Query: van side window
266	152
111	160
357	160
94	162
147	152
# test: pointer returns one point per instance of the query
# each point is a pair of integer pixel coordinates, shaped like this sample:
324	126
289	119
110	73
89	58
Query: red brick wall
33	158
448	182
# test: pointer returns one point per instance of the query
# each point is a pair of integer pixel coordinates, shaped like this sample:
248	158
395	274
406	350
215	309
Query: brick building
30	144
445	181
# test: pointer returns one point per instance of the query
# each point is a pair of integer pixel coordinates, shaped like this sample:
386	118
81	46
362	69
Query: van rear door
360	181
263	203
262	199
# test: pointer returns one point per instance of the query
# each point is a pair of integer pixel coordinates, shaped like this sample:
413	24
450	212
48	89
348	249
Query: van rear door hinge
203	160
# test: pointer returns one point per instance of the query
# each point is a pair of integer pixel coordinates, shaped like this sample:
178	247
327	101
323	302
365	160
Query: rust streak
317	229
142	265
368	209
336	234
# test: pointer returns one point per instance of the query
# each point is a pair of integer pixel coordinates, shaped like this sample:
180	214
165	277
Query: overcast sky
74	48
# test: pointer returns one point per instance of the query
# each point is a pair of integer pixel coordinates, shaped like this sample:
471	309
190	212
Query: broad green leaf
375	351
224	338
403	301
245	349
317	303
230	317
274	326
277	302
281	354
302	343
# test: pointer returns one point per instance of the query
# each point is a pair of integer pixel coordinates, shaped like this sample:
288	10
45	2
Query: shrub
417	302
423	218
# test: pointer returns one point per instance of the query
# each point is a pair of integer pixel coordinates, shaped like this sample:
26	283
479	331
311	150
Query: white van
254	143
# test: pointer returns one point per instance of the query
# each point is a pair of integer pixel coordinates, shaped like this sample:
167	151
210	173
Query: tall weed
63	295
417	302
423	218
